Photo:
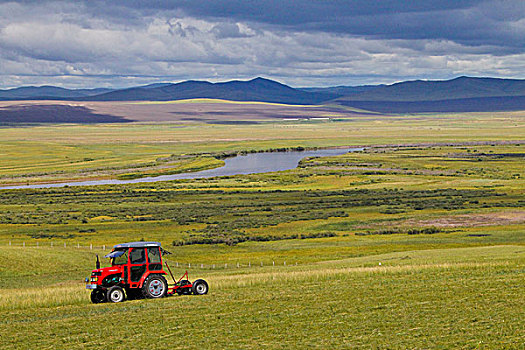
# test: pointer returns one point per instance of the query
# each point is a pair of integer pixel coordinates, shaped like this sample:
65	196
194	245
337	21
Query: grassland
453	298
397	246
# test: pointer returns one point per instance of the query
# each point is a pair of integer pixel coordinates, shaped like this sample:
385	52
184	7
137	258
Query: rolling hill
458	88
55	113
479	104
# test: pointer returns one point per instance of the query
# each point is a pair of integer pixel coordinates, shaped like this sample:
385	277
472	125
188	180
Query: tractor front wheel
154	287
115	294
98	296
200	287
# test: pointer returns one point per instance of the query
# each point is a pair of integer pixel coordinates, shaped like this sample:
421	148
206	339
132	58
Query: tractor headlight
94	279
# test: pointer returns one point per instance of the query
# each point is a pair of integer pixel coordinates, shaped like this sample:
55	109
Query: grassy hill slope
439	298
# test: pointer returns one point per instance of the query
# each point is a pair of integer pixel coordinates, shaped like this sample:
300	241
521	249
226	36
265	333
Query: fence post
213	266
23	244
237	265
37	244
202	266
9	243
261	264
273	263
78	245
104	247
285	263
91	246
249	264
51	244
189	265
64	244
177	264
225	266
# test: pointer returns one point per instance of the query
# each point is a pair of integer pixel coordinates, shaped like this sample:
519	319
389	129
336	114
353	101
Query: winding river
243	164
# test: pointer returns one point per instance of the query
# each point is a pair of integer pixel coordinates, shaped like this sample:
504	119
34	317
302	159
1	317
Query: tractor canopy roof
137	245
115	254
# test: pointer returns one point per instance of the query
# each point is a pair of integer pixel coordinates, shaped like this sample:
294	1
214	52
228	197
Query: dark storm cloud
300	42
471	22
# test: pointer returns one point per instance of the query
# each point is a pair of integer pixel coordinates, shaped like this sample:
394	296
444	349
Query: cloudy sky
98	43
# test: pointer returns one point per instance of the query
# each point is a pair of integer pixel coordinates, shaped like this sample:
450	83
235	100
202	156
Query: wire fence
55	244
172	263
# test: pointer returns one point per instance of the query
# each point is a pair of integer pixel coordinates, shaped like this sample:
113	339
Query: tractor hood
107	270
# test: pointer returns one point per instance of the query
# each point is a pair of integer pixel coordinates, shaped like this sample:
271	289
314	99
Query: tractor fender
147	274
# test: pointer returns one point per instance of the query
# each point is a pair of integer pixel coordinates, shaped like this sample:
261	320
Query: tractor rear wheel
154	287
116	294
200	287
98	296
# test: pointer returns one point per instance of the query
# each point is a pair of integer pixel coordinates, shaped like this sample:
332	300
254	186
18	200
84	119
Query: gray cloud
231	30
120	43
467	21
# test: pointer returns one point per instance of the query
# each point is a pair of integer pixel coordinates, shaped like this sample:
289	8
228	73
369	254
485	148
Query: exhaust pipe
98	263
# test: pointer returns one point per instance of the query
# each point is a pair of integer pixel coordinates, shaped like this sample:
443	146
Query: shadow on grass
23	114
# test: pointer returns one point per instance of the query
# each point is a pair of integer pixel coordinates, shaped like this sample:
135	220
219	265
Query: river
252	163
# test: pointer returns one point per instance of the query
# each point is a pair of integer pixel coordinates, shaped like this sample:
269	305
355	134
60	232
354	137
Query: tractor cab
137	269
135	261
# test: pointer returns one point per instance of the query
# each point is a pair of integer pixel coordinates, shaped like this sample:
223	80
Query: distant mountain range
259	89
342	90
461	94
48	93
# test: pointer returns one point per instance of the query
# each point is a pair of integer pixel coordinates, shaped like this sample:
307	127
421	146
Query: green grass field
398	246
440	298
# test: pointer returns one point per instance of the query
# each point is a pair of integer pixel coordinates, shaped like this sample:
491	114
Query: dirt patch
474	220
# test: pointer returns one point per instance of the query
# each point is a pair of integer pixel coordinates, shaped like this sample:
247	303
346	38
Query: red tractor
136	272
